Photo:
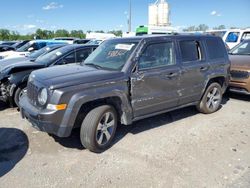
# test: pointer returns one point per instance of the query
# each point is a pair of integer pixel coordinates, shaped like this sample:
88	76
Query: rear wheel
211	99
98	128
18	94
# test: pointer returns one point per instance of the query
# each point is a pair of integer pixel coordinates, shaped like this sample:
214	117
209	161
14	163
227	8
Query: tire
211	100
95	134
18	94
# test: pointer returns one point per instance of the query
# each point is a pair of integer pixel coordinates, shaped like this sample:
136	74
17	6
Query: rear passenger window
215	49
157	55
190	50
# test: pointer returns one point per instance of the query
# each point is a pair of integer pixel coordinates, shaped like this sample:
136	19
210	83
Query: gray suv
125	80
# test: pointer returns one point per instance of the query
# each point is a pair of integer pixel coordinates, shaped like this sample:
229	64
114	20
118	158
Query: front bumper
43	120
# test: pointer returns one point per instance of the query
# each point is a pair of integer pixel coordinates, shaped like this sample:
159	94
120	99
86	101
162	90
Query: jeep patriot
125	80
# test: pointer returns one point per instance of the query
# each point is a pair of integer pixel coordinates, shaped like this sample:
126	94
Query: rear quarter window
216	49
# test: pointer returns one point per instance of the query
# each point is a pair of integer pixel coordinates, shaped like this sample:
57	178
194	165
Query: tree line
6	34
204	27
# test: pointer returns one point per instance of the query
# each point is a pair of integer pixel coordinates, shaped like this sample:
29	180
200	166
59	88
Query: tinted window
37	53
42	44
246	35
215	48
67	59
54	55
35	46
190	51
82	54
232	37
25	47
157	55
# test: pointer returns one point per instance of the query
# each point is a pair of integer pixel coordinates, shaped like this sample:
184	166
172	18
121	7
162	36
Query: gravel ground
178	149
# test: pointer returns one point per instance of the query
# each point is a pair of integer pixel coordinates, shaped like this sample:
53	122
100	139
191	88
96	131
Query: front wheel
18	94
211	99
98	128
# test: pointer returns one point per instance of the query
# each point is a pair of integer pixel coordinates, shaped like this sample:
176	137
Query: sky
26	16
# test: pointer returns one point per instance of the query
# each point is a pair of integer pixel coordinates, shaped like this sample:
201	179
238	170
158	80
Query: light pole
129	16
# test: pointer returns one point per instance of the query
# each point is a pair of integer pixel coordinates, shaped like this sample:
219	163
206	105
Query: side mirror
30	49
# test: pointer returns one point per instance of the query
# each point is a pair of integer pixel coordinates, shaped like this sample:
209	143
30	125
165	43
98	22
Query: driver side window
70	58
157	55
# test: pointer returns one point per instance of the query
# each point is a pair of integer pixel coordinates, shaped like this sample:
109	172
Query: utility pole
130	16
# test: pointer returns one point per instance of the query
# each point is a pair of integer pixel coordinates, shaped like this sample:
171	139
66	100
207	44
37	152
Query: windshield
25	47
52	56
38	53
241	49
111	55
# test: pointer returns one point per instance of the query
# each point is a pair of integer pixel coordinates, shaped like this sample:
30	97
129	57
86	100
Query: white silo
153	14
163	13
159	13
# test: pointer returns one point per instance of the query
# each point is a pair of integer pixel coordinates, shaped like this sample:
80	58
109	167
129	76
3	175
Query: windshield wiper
94	65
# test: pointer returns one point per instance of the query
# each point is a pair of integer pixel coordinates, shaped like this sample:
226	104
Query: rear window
215	49
190	50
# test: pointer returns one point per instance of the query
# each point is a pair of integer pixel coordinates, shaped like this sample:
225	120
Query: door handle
205	68
172	74
169	75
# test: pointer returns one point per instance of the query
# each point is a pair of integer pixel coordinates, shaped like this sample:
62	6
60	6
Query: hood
8	67
15	55
6	54
240	61
12	54
74	74
6	62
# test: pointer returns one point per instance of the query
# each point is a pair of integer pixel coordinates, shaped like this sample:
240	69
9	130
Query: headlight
43	96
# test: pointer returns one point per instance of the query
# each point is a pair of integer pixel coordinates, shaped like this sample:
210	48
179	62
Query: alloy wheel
105	128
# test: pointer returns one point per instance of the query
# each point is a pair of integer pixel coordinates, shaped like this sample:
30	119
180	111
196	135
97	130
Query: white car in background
235	36
29	47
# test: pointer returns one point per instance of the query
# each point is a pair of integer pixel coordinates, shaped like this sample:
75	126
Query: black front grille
32	92
239	74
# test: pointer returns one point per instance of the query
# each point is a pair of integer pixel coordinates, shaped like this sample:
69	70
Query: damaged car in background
14	77
125	80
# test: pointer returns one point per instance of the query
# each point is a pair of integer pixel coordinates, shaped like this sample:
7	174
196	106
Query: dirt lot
178	149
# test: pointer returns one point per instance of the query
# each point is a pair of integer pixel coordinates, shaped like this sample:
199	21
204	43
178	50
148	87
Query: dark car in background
7	46
19	44
4	48
240	68
14	77
8	43
31	57
81	41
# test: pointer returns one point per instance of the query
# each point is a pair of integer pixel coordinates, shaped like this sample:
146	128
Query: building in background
158	20
158	14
